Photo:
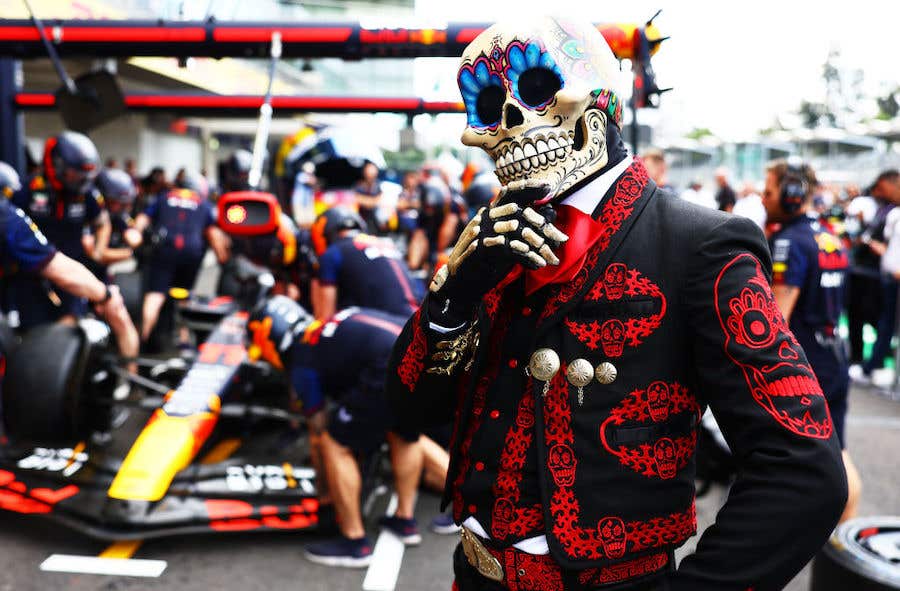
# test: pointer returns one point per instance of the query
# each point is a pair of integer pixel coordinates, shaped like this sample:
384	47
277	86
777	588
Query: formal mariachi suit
667	307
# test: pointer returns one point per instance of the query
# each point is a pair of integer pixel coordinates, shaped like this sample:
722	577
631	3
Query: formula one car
163	462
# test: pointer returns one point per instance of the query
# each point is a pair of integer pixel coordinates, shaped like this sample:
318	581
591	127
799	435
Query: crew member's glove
498	237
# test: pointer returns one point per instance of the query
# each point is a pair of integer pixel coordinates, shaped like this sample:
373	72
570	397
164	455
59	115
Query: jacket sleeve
426	366
791	486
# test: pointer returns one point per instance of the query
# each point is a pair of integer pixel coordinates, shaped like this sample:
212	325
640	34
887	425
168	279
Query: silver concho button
542	366
606	373
580	373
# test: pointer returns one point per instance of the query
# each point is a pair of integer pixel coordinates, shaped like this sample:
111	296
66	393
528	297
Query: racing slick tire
43	395
863	555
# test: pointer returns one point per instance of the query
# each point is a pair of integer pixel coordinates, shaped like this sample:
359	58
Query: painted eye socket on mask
482	93
529	70
533	75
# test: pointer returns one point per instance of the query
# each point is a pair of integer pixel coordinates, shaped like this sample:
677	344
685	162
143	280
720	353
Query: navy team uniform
346	359
119	223
62	220
808	256
22	247
370	271
180	218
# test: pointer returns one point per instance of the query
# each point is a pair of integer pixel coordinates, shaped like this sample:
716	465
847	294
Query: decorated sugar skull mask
538	97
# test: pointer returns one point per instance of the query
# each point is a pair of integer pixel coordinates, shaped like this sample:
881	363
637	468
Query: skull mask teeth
538	101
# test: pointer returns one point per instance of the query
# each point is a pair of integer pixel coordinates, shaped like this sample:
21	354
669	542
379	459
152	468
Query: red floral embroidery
611	537
507	518
528	572
661	458
624	571
616	210
614	334
759	342
473	422
413	361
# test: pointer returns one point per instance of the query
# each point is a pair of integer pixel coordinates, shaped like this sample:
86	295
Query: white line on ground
386	558
94	565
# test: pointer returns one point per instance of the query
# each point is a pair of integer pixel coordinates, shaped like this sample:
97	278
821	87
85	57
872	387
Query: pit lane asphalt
268	562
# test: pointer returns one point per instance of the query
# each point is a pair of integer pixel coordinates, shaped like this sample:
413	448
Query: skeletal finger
456	261
532	238
535	260
533	217
519	246
547	253
553	233
503	210
437	282
495	241
506	226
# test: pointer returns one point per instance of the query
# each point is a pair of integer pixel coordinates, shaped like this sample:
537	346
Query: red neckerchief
583	231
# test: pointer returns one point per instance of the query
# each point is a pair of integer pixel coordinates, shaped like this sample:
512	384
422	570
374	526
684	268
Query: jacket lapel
618	211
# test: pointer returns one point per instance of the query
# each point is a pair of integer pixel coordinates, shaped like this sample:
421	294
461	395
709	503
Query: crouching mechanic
810	266
356	269
346	359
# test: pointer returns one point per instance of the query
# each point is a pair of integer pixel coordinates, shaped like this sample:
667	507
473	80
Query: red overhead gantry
211	38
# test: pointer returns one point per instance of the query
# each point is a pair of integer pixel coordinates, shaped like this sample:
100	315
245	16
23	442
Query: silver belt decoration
580	373
479	557
543	366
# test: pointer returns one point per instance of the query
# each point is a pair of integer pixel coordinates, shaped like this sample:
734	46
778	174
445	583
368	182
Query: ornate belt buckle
479	557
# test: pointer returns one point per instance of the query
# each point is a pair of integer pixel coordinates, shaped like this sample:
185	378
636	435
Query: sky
733	66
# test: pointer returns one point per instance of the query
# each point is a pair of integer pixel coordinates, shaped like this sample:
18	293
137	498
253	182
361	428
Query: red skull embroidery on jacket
614	281
666	461
562	464
612	534
619	283
658	401
759	342
502	516
612	337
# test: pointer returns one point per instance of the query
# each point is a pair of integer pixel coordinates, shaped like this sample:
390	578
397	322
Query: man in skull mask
583	323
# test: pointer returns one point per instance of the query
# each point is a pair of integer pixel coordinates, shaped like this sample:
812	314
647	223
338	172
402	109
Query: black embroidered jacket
677	299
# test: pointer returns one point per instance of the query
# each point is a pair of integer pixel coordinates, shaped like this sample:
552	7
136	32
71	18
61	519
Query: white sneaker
883	378
858	376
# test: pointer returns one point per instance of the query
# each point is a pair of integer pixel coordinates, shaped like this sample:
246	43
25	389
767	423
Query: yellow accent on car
779	267
163	448
179	293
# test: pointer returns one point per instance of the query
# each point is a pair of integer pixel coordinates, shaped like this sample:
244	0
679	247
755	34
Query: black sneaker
341	552
405	529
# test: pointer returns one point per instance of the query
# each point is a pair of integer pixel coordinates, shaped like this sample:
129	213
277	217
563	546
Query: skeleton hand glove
506	233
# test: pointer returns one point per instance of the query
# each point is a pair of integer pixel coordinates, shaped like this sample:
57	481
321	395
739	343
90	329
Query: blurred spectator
886	189
112	163
131	169
368	196
725	197
655	163
696	195
750	205
440	215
